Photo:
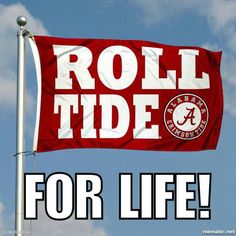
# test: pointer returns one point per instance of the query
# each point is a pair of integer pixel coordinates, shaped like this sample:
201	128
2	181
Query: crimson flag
126	94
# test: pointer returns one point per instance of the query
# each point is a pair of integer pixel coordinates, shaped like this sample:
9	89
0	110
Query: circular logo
186	116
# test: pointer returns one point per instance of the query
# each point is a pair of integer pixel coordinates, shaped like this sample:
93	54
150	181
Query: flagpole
19	209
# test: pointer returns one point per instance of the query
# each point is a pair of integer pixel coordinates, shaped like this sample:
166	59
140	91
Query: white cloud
45	226
70	226
5	222
221	17
162	10
222	20
220	14
1	219
8	51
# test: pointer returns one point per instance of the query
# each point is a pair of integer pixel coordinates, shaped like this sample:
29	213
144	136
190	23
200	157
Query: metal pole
19	210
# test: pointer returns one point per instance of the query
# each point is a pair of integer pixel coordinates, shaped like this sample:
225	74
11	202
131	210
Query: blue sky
211	24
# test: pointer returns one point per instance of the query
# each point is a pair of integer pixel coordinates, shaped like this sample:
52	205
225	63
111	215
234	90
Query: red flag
126	94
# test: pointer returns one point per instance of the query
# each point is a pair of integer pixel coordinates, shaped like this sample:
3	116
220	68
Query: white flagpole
19	210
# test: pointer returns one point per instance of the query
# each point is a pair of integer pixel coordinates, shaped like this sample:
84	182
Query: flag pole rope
25	153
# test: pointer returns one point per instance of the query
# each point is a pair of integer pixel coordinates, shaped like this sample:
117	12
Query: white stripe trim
39	78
